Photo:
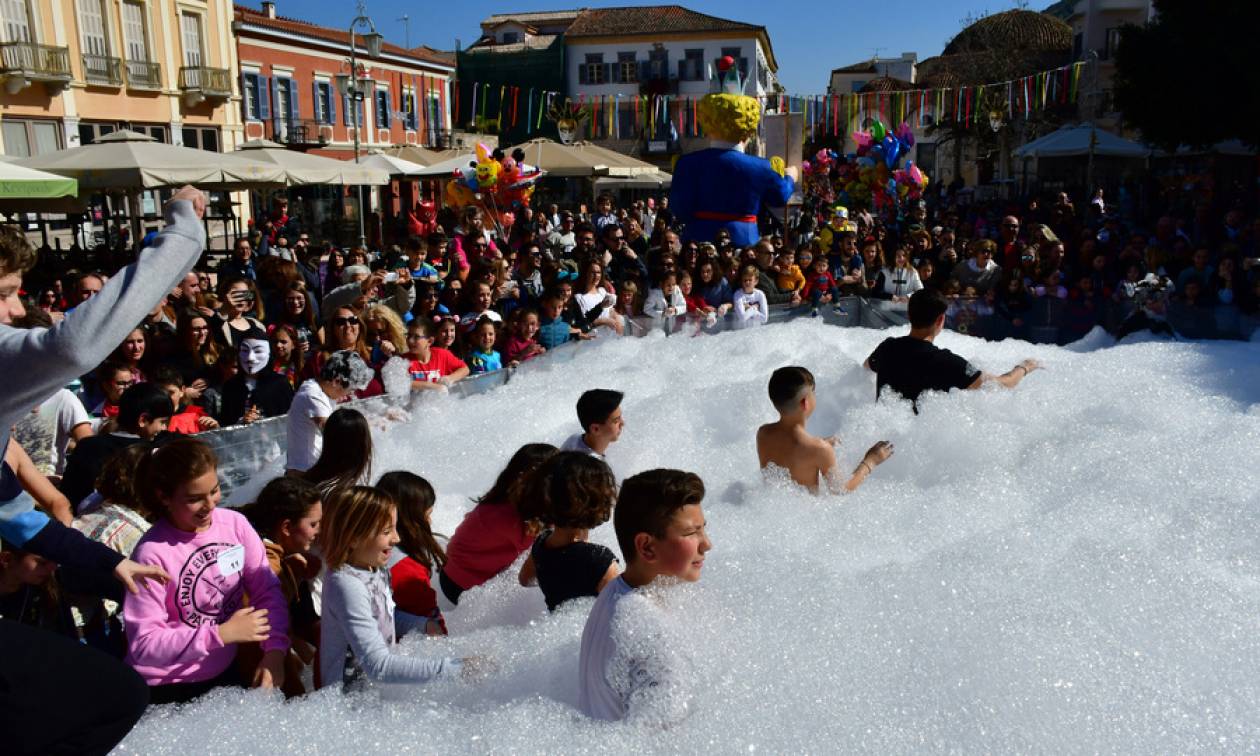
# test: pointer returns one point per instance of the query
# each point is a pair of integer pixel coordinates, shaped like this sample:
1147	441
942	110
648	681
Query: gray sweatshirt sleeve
39	361
348	621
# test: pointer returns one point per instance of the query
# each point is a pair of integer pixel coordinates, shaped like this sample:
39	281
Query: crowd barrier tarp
246	450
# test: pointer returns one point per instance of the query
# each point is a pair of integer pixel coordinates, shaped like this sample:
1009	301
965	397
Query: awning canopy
422	155
126	160
575	160
393	166
300	168
1074	141
20	182
448	167
657	180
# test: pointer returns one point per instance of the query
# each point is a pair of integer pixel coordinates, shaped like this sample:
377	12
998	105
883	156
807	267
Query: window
285	100
255	96
324	107
1112	43
17	20
190	30
158	133
136	41
691	67
736	53
382	108
658	64
511	37
92	17
627	68
27	138
856	86
201	138
409	107
347	115
592	71
90	132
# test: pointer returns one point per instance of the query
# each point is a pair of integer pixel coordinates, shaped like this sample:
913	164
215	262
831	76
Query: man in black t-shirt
912	364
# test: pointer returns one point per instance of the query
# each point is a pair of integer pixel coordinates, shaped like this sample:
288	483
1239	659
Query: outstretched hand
193	195
878	454
129	572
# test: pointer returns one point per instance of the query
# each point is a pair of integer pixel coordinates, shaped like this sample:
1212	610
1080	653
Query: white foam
1070	566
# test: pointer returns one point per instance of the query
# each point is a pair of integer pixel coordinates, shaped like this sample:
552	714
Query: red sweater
486	543
409	581
815	281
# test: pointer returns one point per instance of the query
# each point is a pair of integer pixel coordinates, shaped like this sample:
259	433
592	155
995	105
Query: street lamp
354	86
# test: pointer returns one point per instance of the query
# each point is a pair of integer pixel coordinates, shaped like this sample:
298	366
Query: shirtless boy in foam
787	444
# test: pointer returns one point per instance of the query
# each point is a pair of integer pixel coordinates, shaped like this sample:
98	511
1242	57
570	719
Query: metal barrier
245	450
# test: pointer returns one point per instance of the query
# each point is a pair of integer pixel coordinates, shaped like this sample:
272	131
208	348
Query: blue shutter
332	103
317	99
582	78
345	109
295	112
264	97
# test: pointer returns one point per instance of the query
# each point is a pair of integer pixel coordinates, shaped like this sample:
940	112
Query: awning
656	180
1074	141
300	168
20	182
394	166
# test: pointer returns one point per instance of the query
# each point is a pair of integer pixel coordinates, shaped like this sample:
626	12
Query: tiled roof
337	36
651	19
866	66
536	18
533	42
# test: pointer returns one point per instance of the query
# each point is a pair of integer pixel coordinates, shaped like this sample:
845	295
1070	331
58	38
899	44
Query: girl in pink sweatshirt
183	636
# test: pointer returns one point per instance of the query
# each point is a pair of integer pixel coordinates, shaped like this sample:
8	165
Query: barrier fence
245	450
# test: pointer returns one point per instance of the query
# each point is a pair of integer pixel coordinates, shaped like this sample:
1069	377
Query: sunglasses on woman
346	322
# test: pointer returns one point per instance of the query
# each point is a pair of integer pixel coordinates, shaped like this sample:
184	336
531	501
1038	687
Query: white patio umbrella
392	165
1073	141
300	168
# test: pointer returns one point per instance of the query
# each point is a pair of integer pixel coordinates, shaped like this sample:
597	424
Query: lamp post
353	86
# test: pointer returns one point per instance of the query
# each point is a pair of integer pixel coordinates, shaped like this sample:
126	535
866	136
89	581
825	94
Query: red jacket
815	281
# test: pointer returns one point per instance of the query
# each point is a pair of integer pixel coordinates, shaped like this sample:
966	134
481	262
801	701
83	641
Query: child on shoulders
570	494
628	668
788	445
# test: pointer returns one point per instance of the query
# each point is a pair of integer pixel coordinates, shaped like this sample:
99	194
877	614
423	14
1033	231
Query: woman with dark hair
346	459
594	297
493	534
344	330
196	352
240	312
297	310
332	269
417	555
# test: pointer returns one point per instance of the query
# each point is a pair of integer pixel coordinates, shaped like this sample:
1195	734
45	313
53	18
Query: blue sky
809	37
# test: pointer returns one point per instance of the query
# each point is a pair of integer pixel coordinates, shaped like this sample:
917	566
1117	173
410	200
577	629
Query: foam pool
1070	566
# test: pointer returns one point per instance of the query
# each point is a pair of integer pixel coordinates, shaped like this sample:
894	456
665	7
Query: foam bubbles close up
1069	566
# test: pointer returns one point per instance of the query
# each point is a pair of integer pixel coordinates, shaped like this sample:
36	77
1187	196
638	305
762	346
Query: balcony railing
297	131
102	69
24	62
144	74
215	83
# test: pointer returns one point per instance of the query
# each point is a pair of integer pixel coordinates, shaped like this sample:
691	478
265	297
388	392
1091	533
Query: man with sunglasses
622	261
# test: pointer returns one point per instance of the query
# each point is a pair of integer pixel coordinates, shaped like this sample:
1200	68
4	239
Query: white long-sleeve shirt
358	617
657	303
750	309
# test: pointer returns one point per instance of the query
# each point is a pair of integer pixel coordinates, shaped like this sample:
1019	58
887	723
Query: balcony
201	83
144	74
22	63
297	132
102	70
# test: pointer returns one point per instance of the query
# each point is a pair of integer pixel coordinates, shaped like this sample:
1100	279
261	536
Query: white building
850	79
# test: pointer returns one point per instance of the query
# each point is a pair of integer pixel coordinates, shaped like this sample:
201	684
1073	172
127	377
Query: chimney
269	8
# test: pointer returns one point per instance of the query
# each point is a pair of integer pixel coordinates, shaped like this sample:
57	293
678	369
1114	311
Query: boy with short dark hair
187	418
788	445
431	367
143	412
599	412
627	667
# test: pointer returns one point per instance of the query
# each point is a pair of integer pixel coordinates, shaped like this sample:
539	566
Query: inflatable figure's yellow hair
728	117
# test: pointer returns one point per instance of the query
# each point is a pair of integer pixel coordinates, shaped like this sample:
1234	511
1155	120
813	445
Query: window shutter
264	97
332	104
610	73
345	109
582	77
317	99
295	112
245	87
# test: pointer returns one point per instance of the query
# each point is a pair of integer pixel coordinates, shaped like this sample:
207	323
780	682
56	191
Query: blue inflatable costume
721	187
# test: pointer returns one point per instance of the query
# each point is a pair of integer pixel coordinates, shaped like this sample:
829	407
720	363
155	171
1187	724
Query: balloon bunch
877	181
496	183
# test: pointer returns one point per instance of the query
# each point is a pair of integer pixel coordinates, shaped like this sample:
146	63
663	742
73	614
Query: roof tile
339	36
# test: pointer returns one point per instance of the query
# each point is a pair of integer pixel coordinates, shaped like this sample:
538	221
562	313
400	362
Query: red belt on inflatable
725	217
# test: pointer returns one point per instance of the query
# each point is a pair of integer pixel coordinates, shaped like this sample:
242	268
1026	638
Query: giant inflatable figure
720	187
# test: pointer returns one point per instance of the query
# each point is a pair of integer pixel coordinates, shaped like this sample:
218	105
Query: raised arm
1009	379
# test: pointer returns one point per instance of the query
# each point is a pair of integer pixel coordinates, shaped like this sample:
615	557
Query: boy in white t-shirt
631	665
599	412
344	373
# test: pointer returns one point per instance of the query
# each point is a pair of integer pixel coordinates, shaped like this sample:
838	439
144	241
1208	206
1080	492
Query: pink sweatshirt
173	629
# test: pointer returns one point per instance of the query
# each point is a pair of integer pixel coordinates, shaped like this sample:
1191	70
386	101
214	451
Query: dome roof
1014	30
